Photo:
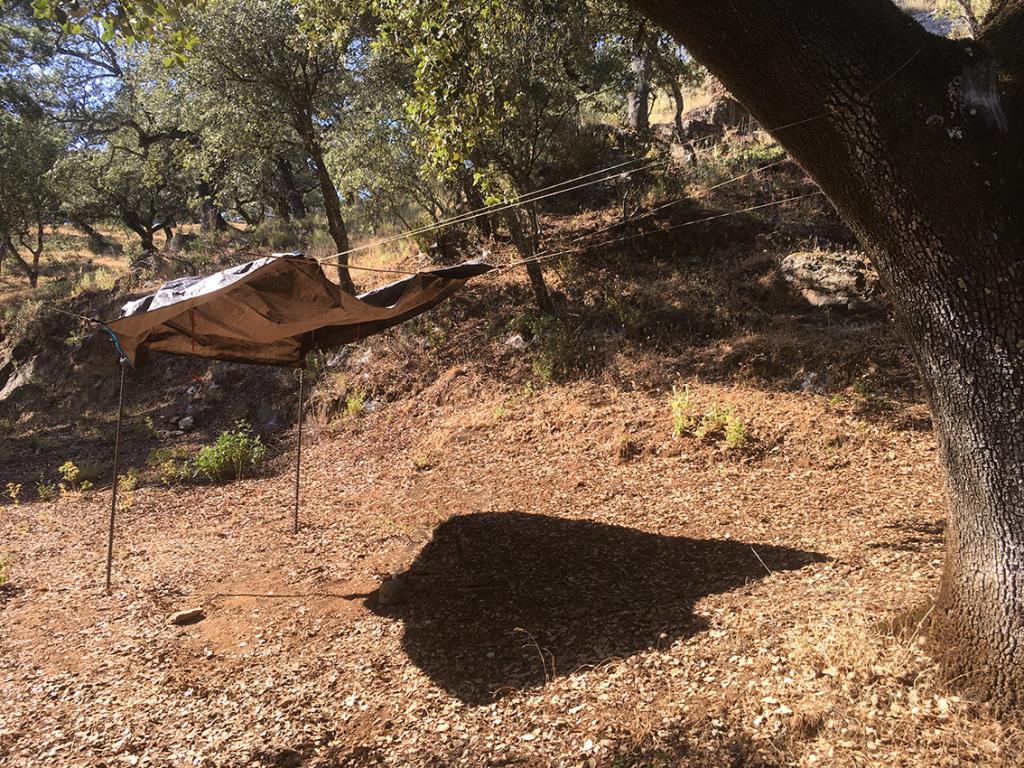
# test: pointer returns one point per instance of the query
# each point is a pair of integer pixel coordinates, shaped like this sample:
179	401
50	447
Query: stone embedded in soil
392	592
190	616
186	423
826	279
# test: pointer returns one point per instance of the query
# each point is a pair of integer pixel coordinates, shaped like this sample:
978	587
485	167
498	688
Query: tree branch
1003	34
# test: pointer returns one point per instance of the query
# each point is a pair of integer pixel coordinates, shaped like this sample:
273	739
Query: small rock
392	592
190	616
515	341
186	423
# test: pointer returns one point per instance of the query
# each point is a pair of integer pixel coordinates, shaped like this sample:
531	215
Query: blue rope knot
117	343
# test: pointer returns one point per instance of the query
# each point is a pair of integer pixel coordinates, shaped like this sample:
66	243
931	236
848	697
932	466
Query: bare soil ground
571	602
580	587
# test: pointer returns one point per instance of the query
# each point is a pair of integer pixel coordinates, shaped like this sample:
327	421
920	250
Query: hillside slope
688	522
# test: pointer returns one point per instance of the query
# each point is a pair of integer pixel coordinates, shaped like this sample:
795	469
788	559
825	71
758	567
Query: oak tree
917	140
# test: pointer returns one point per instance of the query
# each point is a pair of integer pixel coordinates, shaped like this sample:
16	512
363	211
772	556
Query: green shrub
277	235
172	465
557	355
684	412
47	491
735	432
713	422
126	485
74	477
13	491
235	453
69	472
722	421
355	402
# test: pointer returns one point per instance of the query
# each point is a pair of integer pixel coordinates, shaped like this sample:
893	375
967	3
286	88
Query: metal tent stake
298	460
117	469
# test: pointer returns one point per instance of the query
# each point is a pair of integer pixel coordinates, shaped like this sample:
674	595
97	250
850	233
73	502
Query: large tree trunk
211	218
638	99
911	138
335	222
294	205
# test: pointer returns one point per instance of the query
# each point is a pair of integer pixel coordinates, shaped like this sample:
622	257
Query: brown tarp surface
273	311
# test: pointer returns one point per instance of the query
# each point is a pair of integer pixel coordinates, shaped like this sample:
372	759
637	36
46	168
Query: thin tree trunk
525	246
335	222
917	141
31	269
474	202
97	241
680	106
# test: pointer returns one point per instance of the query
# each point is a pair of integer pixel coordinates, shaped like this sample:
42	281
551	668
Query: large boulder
828	279
17	383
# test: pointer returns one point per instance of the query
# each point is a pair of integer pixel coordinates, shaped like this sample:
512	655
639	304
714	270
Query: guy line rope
536	195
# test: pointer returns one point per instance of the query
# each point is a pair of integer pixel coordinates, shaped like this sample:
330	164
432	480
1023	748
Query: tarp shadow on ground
503	601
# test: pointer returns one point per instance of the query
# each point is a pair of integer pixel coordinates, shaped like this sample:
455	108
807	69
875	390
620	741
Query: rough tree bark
638	100
291	197
97	242
332	206
211	218
525	246
29	266
917	141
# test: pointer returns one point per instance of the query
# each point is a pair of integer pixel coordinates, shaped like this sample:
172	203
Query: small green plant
712	422
556	355
544	368
5	568
436	335
684	411
172	465
422	463
47	491
13	491
126	485
355	402
235	453
722	421
74	339
75	478
735	432
69	473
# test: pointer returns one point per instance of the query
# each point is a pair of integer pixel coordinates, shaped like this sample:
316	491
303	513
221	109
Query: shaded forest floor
581	586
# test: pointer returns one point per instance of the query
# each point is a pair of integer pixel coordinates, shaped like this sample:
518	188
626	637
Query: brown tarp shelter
273	311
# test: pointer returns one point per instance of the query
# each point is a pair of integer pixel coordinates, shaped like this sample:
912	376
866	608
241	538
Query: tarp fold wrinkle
274	311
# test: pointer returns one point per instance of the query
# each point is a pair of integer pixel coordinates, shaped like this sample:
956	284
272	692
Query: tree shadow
505	601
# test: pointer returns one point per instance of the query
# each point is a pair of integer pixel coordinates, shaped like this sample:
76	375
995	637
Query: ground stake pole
298	460
117	469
